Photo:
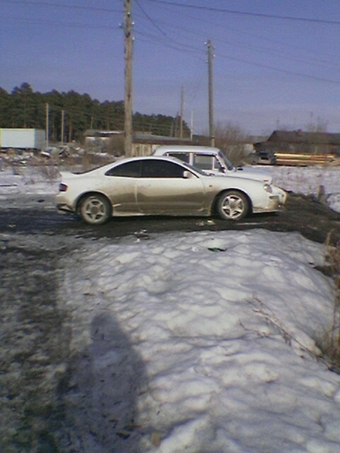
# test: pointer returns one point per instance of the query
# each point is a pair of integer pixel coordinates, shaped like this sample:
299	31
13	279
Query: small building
143	143
300	148
299	142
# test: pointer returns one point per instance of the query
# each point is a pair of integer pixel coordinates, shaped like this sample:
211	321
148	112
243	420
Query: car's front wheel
95	209
232	205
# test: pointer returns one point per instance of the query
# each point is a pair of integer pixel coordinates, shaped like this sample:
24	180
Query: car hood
253	173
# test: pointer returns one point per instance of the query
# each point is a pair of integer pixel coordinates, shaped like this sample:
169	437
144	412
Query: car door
120	186
167	187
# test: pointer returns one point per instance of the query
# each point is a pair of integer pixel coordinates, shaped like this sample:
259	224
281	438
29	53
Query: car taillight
62	187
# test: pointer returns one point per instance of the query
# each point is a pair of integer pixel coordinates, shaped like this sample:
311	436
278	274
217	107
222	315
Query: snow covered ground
307	180
200	342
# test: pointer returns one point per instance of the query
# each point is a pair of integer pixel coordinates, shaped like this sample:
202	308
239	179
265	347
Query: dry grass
48	168
329	343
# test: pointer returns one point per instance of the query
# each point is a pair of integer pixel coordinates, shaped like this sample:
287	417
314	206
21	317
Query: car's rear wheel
232	205
95	209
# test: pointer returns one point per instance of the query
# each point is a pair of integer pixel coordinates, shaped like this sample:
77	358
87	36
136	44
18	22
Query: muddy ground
36	214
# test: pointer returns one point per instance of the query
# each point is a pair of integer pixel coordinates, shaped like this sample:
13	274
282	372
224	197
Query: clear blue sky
276	64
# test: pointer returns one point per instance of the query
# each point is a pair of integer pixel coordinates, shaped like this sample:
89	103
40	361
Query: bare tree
231	140
316	126
115	146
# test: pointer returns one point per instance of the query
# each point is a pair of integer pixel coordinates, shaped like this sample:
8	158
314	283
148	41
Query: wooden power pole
62	126
47	126
211	100
182	108
128	78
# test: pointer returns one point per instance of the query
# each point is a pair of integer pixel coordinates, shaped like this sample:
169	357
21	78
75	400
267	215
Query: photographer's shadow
104	383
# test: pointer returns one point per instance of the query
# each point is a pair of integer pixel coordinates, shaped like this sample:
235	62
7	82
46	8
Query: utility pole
182	108
192	125
211	100
128	78
47	125
62	126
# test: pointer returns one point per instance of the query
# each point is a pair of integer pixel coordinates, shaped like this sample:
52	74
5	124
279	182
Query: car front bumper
281	194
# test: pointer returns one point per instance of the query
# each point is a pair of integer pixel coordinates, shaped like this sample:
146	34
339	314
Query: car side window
127	170
185	157
161	169
204	162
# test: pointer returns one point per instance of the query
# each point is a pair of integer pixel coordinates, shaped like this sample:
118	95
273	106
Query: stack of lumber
304	160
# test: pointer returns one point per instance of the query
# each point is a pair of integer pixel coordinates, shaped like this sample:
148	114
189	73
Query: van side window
185	157
204	162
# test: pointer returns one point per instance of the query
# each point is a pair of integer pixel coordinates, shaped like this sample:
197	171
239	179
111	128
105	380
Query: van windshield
226	161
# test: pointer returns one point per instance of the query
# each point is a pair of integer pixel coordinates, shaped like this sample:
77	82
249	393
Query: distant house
300	142
143	143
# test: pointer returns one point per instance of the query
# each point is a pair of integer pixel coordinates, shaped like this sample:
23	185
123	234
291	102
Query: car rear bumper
63	203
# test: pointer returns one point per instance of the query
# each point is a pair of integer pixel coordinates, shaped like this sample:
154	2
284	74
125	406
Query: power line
285	71
170	43
182	5
33	21
287	56
322	79
62	5
155	40
244	13
150	19
175	45
173	27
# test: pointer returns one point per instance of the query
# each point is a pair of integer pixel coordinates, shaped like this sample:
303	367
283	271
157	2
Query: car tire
232	205
95	209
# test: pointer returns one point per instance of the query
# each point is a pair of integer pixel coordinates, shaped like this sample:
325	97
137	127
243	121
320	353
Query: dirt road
303	214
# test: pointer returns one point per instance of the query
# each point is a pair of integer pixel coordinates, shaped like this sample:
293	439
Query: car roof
131	159
185	148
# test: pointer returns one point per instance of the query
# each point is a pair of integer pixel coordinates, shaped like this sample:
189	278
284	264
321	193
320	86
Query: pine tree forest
25	108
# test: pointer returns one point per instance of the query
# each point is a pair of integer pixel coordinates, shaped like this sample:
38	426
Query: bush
231	140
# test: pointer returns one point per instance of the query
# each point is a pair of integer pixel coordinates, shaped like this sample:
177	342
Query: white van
210	160
213	162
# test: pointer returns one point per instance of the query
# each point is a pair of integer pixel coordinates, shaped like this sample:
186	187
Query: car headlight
268	188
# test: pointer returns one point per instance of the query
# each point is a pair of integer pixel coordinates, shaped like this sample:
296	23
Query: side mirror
187	174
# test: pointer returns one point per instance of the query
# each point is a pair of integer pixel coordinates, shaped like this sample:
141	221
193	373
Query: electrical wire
285	71
261	49
149	18
63	24
173	44
303	57
244	13
63	5
168	41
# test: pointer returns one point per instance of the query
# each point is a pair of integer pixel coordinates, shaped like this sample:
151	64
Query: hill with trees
24	107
